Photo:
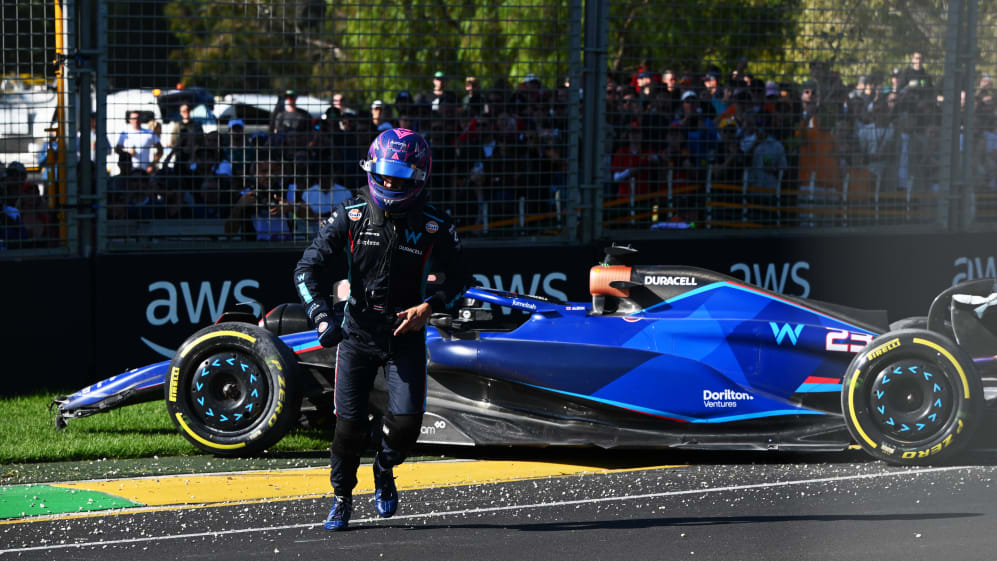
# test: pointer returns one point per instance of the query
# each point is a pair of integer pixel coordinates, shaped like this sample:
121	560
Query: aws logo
193	303
780	332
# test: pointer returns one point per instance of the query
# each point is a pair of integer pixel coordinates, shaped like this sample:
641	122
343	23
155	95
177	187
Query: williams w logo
412	238
786	330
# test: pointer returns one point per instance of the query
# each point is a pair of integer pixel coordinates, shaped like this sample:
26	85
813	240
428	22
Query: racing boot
339	514
385	493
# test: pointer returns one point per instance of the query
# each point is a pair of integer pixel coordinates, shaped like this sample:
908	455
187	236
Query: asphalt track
771	507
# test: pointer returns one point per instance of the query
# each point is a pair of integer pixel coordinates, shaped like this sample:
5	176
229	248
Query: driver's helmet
398	154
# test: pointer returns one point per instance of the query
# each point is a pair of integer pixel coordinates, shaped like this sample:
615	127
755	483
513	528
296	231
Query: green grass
28	434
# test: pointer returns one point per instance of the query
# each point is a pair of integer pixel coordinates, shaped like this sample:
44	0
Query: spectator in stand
138	147
645	87
258	213
241	154
894	85
740	106
699	131
39	221
859	99
876	140
131	196
210	154
13	234
406	108
439	90
378	116
172	193
349	146
786	115
908	170
46	156
549	175
819	155
675	165
530	89
405	121
632	164
310	197
290	120
442	133
670	82
183	136
713	93
985	103
768	158
730	160
339	102
987	151
915	77
986	85
473	101
643	66
809	103
214	198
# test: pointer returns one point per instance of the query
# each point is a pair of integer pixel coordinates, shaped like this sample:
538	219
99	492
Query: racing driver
392	238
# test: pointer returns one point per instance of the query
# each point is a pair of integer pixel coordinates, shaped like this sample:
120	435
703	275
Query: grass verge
28	434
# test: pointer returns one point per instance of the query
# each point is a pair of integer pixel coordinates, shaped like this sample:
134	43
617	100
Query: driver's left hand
414	318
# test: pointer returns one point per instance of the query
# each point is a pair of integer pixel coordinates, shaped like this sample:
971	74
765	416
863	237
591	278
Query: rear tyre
233	389
912	397
913	322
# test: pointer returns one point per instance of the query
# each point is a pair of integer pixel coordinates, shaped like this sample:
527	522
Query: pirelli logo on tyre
174	382
883	349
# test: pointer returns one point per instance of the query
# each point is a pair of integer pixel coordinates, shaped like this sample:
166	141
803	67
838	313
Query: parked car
27	117
662	357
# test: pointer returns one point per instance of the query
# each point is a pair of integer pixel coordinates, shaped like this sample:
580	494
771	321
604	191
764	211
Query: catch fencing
216	124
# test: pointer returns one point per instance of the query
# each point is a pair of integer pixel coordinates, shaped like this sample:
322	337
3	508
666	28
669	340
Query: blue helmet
398	154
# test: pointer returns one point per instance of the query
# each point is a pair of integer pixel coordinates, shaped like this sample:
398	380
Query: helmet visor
393	168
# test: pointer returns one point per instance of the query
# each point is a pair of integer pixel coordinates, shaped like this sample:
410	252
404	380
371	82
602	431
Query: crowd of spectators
500	152
685	130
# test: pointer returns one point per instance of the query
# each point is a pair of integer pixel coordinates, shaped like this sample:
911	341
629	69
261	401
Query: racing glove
329	332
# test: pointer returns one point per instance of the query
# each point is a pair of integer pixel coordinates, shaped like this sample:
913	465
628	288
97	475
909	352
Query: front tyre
232	389
912	397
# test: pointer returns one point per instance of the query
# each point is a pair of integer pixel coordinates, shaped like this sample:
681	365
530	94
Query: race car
661	357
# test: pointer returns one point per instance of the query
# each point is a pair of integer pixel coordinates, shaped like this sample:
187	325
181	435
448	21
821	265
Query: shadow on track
644	523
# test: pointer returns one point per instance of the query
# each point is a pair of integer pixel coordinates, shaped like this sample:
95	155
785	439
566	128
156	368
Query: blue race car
662	356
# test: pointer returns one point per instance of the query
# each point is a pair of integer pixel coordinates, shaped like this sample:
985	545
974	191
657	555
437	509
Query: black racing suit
389	260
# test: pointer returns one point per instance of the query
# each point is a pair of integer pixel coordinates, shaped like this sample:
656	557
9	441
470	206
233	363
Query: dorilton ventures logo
727	398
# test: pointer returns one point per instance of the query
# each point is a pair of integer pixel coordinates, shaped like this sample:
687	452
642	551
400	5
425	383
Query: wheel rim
227	391
911	400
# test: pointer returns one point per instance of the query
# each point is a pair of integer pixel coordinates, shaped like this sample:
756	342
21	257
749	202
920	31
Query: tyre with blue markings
912	397
232	389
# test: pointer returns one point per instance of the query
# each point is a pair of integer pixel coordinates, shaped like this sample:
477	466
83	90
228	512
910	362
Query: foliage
381	47
690	35
377	47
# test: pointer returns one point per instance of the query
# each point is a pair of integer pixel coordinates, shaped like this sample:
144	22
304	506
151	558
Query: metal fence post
950	184
568	204
68	196
100	109
594	111
969	122
86	164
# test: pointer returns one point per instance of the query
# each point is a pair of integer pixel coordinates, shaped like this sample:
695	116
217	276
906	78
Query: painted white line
472	511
